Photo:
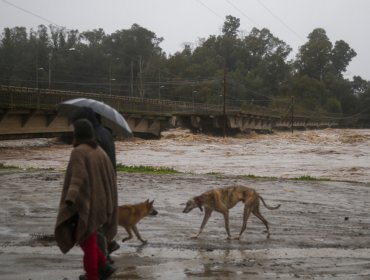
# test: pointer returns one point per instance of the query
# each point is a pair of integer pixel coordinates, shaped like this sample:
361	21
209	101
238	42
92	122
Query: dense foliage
252	69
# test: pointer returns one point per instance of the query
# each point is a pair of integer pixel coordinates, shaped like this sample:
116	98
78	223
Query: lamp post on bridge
51	54
37	76
193	98
224	105
159	92
110	85
110	71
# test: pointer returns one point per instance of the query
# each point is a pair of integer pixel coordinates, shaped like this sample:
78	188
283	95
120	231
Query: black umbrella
110	117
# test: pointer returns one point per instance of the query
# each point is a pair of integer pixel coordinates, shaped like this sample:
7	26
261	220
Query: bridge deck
29	111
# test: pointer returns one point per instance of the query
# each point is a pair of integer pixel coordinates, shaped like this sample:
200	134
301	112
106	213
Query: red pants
93	257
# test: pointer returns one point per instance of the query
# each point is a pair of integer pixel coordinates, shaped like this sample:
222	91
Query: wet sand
321	230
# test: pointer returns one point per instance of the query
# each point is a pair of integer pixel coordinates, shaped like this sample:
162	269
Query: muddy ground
321	231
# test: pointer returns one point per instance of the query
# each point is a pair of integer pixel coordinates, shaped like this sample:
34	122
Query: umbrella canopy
110	117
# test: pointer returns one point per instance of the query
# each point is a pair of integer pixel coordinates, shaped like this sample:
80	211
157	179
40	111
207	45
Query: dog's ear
147	201
200	207
151	203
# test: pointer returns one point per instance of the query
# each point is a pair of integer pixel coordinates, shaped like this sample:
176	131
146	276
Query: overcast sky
187	21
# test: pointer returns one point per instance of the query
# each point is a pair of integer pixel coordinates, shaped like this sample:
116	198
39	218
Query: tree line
253	69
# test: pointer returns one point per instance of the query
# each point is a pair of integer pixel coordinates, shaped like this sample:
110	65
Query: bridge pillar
15	123
147	124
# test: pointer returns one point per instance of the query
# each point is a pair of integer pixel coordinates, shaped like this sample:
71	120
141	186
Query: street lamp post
292	112
159	92
110	72
193	98
50	59
224	105
37	75
110	85
50	56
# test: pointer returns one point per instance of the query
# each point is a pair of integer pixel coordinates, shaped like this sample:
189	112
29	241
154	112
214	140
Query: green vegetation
4	166
255	177
258	68
168	170
214	173
146	169
250	176
301	178
310	178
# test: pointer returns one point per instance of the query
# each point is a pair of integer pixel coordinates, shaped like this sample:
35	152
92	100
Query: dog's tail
268	207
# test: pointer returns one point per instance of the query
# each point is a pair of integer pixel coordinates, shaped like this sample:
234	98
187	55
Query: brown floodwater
337	154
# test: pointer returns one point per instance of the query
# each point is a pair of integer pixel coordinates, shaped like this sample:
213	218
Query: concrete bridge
31	112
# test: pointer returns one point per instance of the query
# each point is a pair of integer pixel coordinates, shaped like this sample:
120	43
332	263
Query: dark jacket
105	140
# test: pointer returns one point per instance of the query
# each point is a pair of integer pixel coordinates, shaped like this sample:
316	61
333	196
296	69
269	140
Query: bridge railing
33	98
44	99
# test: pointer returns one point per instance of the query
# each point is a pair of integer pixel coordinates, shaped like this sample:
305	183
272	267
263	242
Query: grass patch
11	167
310	178
146	169
215	173
4	167
250	176
301	178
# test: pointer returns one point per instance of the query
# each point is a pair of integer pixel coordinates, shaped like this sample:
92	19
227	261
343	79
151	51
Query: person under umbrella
88	202
105	140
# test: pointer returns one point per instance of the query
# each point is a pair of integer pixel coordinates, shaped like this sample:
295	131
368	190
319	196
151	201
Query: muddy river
321	231
331	153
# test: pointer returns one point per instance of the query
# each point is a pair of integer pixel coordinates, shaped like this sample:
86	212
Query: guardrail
44	99
32	98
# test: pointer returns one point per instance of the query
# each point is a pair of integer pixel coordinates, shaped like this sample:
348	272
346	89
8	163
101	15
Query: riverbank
321	231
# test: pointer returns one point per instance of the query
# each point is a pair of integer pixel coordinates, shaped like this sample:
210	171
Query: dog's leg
129	234
134	228
207	214
226	217
257	213
247	212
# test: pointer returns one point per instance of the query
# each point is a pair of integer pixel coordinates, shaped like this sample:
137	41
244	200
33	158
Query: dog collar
199	199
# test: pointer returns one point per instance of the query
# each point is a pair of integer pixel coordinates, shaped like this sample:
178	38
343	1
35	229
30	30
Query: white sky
186	21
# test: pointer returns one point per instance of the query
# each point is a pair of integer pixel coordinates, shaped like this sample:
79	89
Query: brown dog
130	215
223	199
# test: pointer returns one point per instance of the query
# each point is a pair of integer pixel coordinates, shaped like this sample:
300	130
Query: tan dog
223	199
130	215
